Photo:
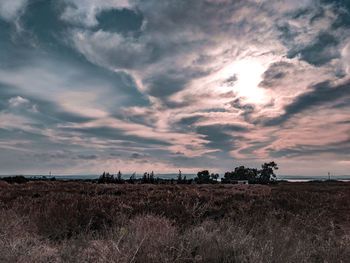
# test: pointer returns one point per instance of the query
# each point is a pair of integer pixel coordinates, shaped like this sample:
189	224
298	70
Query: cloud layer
87	86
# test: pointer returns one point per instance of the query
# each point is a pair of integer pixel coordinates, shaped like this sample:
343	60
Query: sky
137	85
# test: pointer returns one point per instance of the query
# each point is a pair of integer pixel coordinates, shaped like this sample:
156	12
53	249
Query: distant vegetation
265	175
20	179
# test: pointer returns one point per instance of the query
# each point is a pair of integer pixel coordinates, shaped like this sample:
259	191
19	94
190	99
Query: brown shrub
19	243
84	222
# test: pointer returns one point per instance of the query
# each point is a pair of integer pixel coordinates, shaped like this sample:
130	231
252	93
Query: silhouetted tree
151	178
266	174
203	177
19	179
241	173
119	179
148	178
179	177
214	177
106	178
145	177
132	178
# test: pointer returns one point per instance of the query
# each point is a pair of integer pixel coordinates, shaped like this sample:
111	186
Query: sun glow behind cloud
248	73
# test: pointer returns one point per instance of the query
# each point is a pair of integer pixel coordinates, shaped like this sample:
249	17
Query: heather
67	221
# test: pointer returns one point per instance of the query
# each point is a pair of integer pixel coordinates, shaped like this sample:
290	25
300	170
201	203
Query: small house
242	182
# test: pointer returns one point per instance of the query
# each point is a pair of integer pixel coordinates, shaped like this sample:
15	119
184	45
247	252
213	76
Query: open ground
71	221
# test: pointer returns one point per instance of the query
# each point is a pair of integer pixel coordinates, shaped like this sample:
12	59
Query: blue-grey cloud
162	86
116	134
339	148
231	80
188	121
237	104
320	51
342	9
320	94
220	135
88	157
46	112
18	134
121	21
10	10
255	145
275	72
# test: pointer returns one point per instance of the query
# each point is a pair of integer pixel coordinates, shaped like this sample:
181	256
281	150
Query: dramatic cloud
11	9
87	86
320	94
83	12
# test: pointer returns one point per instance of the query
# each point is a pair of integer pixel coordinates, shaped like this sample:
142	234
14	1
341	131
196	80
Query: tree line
264	175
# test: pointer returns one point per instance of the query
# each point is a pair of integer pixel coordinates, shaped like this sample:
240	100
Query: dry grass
84	222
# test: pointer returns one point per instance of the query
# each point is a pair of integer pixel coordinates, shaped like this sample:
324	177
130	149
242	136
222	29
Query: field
57	221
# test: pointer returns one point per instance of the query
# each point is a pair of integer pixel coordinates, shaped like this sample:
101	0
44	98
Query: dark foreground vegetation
66	221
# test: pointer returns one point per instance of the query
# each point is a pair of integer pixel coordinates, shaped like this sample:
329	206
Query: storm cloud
88	86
